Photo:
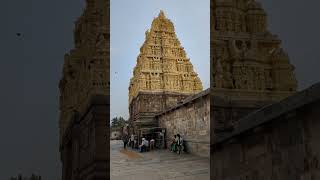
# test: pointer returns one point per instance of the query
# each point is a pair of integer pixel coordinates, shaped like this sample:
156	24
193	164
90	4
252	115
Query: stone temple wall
191	119
279	141
145	106
226	113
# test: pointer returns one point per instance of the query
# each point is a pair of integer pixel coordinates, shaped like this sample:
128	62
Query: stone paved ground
156	165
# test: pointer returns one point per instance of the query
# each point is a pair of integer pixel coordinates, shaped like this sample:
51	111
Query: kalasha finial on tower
161	14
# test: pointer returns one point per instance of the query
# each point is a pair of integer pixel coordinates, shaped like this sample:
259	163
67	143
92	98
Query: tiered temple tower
84	97
85	69
247	60
162	76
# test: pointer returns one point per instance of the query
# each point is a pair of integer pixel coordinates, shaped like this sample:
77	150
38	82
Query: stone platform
155	165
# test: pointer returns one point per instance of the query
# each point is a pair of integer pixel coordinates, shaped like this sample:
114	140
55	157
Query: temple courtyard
155	165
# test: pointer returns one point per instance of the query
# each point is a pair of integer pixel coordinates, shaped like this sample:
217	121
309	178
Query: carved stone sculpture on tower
162	64
247	60
85	69
162	77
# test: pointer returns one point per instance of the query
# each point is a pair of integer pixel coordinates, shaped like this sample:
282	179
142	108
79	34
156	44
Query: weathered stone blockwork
247	61
84	97
145	106
84	146
191	119
226	113
261	128
277	142
86	68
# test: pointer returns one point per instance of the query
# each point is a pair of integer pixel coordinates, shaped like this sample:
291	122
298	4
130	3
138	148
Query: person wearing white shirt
144	145
132	141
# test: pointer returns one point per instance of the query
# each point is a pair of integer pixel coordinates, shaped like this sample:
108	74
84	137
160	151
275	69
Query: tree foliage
118	122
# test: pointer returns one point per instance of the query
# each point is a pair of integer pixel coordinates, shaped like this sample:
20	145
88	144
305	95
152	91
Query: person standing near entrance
125	139
143	146
132	141
125	136
152	144
173	143
179	144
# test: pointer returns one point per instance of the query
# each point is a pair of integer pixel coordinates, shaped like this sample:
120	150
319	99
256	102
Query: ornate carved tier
162	76
247	60
162	64
85	69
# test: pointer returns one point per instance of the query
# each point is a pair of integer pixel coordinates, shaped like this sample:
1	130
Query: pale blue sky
129	21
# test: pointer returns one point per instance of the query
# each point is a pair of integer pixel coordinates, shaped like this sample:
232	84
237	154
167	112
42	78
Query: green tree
118	122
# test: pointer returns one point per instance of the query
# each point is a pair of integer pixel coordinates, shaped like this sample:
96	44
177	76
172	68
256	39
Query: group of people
143	147
129	141
132	141
146	145
176	144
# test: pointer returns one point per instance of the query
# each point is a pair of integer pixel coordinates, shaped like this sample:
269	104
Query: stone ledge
271	112
197	141
192	141
186	101
247	95
224	102
146	92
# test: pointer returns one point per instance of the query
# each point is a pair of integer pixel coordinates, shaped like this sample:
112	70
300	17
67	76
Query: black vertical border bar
212	27
108	80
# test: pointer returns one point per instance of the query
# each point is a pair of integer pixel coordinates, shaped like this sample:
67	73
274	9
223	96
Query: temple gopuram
163	75
84	97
